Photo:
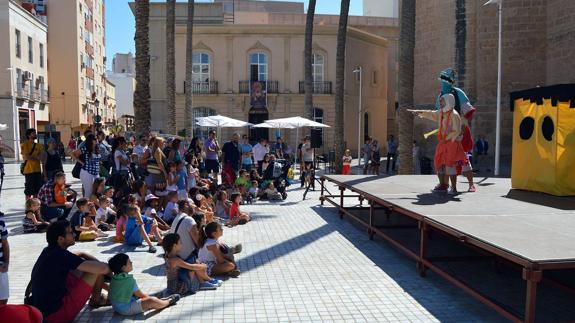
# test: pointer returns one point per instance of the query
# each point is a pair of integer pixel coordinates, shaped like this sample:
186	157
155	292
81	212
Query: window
201	67
30	51
18	47
374	78
202	132
258	67
42	55
318	67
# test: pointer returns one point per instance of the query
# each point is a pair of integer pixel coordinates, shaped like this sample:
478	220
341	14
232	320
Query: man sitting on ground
54	198
63	281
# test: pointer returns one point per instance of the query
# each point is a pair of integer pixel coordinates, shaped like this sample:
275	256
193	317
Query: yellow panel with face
565	150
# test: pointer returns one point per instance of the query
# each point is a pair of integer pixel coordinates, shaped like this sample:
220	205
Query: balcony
44	96
35	95
210	87
318	87
23	91
89	49
272	87
90	72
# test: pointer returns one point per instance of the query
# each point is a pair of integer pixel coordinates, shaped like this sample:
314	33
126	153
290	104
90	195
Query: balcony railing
210	87
272	86
23	91
44	95
35	95
318	87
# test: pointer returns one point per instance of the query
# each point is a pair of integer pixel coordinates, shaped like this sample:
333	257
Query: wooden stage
531	230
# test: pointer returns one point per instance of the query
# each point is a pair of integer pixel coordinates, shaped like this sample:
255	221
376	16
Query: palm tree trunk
340	83
406	80
189	122
308	53
142	92
171	65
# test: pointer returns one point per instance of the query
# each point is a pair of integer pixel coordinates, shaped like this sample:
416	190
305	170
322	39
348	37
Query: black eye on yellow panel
548	128
526	128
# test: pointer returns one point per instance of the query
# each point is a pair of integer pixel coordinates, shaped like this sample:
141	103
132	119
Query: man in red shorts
63	281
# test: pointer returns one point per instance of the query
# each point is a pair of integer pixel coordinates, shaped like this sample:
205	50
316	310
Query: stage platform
532	230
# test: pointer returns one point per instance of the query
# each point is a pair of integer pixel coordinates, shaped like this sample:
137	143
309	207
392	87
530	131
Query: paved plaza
300	263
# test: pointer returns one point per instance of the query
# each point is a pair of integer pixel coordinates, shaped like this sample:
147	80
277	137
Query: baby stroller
277	173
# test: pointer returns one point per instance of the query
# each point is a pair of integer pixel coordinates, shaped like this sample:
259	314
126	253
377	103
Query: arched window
202	132
200	67
318	67
365	125
258	67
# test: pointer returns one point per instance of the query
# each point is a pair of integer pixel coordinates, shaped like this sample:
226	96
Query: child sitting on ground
172	178
105	216
33	222
236	216
203	206
124	293
122	218
253	191
84	228
211	255
171	210
151	210
109	192
222	208
272	193
183	277
138	228
243	182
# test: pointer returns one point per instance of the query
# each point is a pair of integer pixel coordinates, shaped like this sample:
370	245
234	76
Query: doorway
258	116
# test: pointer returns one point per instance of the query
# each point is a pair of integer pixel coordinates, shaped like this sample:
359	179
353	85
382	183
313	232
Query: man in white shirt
183	225
141	146
260	150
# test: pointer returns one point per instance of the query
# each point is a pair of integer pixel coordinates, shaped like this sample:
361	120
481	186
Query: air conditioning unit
26	76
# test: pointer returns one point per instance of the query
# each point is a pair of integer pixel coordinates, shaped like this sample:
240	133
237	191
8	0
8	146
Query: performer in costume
466	112
449	153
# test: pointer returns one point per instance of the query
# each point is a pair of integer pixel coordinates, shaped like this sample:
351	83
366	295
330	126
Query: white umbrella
3	126
221	122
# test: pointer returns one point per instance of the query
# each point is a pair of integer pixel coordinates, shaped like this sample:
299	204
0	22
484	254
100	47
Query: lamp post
360	71
499	4
15	117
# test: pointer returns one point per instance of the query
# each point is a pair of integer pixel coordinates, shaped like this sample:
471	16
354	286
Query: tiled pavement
299	263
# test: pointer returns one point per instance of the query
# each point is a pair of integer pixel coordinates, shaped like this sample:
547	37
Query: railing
210	87
23	91
272	86
43	95
318	87
35	95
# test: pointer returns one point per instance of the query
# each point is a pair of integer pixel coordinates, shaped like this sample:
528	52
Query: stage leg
532	277
370	228
341	190
422	248
322	186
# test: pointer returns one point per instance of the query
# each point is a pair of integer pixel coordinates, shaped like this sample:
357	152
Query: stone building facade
538	50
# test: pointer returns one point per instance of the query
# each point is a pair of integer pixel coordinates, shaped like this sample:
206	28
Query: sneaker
152	249
216	282
452	191
237	248
173	299
472	189
440	188
208	286
234	273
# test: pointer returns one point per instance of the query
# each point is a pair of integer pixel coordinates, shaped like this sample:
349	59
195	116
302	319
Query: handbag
77	167
23	165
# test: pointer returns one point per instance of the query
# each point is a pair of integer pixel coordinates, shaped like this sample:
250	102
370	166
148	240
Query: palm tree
308	53
189	123
171	65
406	79
340	82
142	92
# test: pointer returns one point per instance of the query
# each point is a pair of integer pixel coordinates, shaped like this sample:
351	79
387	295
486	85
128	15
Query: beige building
77	63
381	8
24	99
123	76
108	112
259	41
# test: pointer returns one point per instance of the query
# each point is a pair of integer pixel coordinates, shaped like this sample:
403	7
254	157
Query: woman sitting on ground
98	188
210	252
33	222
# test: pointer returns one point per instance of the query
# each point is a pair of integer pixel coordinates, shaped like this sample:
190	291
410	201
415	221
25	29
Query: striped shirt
3	236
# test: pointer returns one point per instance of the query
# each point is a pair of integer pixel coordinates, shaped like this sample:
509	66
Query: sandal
173	299
234	273
472	189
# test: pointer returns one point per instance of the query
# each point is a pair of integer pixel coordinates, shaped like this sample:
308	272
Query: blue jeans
49	213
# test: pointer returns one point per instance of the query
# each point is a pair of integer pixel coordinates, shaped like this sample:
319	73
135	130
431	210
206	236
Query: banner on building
258	94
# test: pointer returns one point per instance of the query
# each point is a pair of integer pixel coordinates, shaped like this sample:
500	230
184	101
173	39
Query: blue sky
120	22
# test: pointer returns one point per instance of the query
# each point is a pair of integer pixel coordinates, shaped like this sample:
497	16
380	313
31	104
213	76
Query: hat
447	75
151	197
107	188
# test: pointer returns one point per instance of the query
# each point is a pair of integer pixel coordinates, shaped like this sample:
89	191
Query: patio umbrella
220	121
3	126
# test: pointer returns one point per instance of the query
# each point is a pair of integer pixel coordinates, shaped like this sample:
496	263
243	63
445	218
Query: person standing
231	156
481	149
52	161
4	263
246	151
141	147
366	149
89	156
32	155
212	152
1	171
105	151
279	148
375	157
391	153
260	150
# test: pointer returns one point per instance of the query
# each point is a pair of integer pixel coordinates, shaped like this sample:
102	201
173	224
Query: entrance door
24	120
258	116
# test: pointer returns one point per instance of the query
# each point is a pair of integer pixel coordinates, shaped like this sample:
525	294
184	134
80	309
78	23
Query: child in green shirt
126	297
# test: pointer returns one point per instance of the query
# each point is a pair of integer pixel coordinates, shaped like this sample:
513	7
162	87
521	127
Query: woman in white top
121	160
211	254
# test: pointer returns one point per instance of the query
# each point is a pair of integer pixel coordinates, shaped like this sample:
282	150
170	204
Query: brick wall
560	41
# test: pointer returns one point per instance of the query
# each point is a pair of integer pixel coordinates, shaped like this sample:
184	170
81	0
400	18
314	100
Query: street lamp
499	4
360	71
15	117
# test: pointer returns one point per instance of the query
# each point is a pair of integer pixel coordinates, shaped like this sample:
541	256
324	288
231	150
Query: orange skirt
450	154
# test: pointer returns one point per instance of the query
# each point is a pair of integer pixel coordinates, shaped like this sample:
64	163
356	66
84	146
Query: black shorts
33	183
212	165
